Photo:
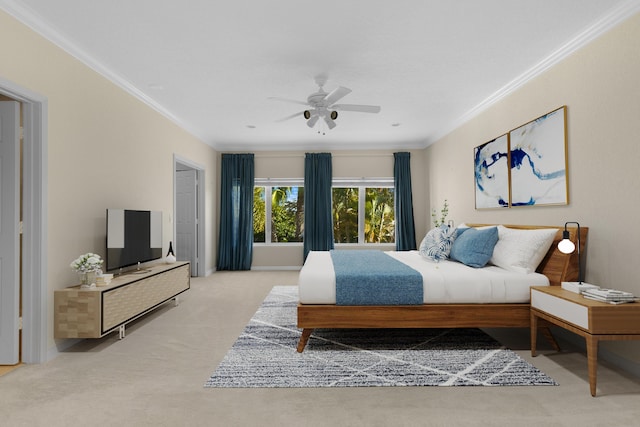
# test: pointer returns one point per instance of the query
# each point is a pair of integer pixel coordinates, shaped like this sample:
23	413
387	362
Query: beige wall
105	149
600	87
345	164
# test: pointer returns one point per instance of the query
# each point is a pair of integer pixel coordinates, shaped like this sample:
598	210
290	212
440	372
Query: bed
318	310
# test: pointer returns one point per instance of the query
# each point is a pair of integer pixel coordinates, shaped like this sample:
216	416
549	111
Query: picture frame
491	173
538	161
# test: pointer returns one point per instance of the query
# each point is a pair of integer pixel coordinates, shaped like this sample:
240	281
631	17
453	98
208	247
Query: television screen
133	237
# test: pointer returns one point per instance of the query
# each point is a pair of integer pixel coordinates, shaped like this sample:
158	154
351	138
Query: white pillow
521	251
436	245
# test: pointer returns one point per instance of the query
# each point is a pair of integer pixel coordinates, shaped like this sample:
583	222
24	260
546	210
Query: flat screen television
133	236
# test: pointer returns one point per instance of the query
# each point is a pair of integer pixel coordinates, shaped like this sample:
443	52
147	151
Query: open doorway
188	211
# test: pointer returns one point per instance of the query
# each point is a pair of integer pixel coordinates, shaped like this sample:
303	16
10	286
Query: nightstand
595	321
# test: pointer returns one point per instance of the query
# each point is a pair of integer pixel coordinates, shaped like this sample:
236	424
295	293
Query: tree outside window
259	217
361	214
379	218
345	215
287	214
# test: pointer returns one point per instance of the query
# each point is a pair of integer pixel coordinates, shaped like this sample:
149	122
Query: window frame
361	183
269	184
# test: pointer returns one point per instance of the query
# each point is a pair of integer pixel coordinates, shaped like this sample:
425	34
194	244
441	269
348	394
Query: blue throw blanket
374	278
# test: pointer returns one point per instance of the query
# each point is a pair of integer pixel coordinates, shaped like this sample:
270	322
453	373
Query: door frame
200	195
35	307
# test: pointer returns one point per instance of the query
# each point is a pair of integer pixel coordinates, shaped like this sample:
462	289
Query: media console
96	312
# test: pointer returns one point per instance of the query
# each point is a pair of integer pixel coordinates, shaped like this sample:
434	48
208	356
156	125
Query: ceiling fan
323	105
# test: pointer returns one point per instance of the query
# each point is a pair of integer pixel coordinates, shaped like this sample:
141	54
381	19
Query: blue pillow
474	247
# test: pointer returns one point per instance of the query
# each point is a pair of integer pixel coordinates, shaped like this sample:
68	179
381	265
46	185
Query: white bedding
446	282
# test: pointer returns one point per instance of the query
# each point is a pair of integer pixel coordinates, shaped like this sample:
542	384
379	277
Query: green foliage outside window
287	214
379	220
345	215
259	217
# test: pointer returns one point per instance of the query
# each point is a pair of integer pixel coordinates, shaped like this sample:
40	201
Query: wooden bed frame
558	267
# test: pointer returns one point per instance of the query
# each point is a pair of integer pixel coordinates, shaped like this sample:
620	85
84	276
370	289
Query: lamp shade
566	246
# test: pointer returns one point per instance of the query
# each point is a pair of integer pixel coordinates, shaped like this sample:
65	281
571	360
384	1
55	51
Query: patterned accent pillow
436	245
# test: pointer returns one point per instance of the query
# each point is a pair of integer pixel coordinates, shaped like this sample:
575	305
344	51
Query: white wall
600	86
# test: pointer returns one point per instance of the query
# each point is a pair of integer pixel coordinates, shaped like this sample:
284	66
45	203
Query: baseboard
276	268
624	364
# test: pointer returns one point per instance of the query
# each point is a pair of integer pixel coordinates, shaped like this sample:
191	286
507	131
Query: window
379	215
363	211
278	211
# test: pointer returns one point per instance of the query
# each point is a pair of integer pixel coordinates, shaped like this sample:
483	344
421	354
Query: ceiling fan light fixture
312	121
322	104
330	123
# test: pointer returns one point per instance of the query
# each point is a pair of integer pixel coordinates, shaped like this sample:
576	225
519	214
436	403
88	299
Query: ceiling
211	66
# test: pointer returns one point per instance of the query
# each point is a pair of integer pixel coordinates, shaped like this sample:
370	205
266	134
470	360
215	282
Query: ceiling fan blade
336	94
359	108
277	98
290	117
312	121
330	122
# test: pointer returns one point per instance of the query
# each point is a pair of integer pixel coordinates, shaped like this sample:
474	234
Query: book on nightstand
578	287
612	296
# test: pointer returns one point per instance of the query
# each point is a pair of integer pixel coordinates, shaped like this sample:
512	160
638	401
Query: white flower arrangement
87	263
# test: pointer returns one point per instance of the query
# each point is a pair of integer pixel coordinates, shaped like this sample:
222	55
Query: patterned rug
265	355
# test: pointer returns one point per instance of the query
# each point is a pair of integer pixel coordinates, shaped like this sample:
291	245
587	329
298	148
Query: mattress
445	282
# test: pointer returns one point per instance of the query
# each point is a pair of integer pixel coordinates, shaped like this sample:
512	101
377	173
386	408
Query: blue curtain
235	244
318	222
405	226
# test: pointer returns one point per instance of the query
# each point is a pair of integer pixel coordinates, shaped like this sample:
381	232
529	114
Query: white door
9	232
187	218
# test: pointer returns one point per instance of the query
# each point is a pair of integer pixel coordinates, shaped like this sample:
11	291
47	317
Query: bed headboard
558	267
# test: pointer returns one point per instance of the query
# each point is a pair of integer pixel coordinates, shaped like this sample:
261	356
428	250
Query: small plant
437	222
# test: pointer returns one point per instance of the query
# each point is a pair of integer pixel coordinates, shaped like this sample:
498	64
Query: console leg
121	332
176	301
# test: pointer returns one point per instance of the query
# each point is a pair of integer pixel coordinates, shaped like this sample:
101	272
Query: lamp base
577	287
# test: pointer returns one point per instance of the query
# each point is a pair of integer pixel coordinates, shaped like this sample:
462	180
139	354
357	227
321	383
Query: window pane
287	214
379	219
345	215
259	215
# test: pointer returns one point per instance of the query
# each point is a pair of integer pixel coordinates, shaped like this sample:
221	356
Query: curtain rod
332	155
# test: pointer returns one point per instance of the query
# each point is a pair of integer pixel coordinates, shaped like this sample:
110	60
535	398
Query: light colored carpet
155	376
265	355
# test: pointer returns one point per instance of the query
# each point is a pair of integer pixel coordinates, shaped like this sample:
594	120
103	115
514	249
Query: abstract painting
491	170
538	161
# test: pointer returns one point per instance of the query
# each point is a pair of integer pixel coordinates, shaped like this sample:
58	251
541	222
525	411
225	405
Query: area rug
265	355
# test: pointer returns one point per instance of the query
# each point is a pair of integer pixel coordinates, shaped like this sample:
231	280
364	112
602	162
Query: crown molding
615	17
28	17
